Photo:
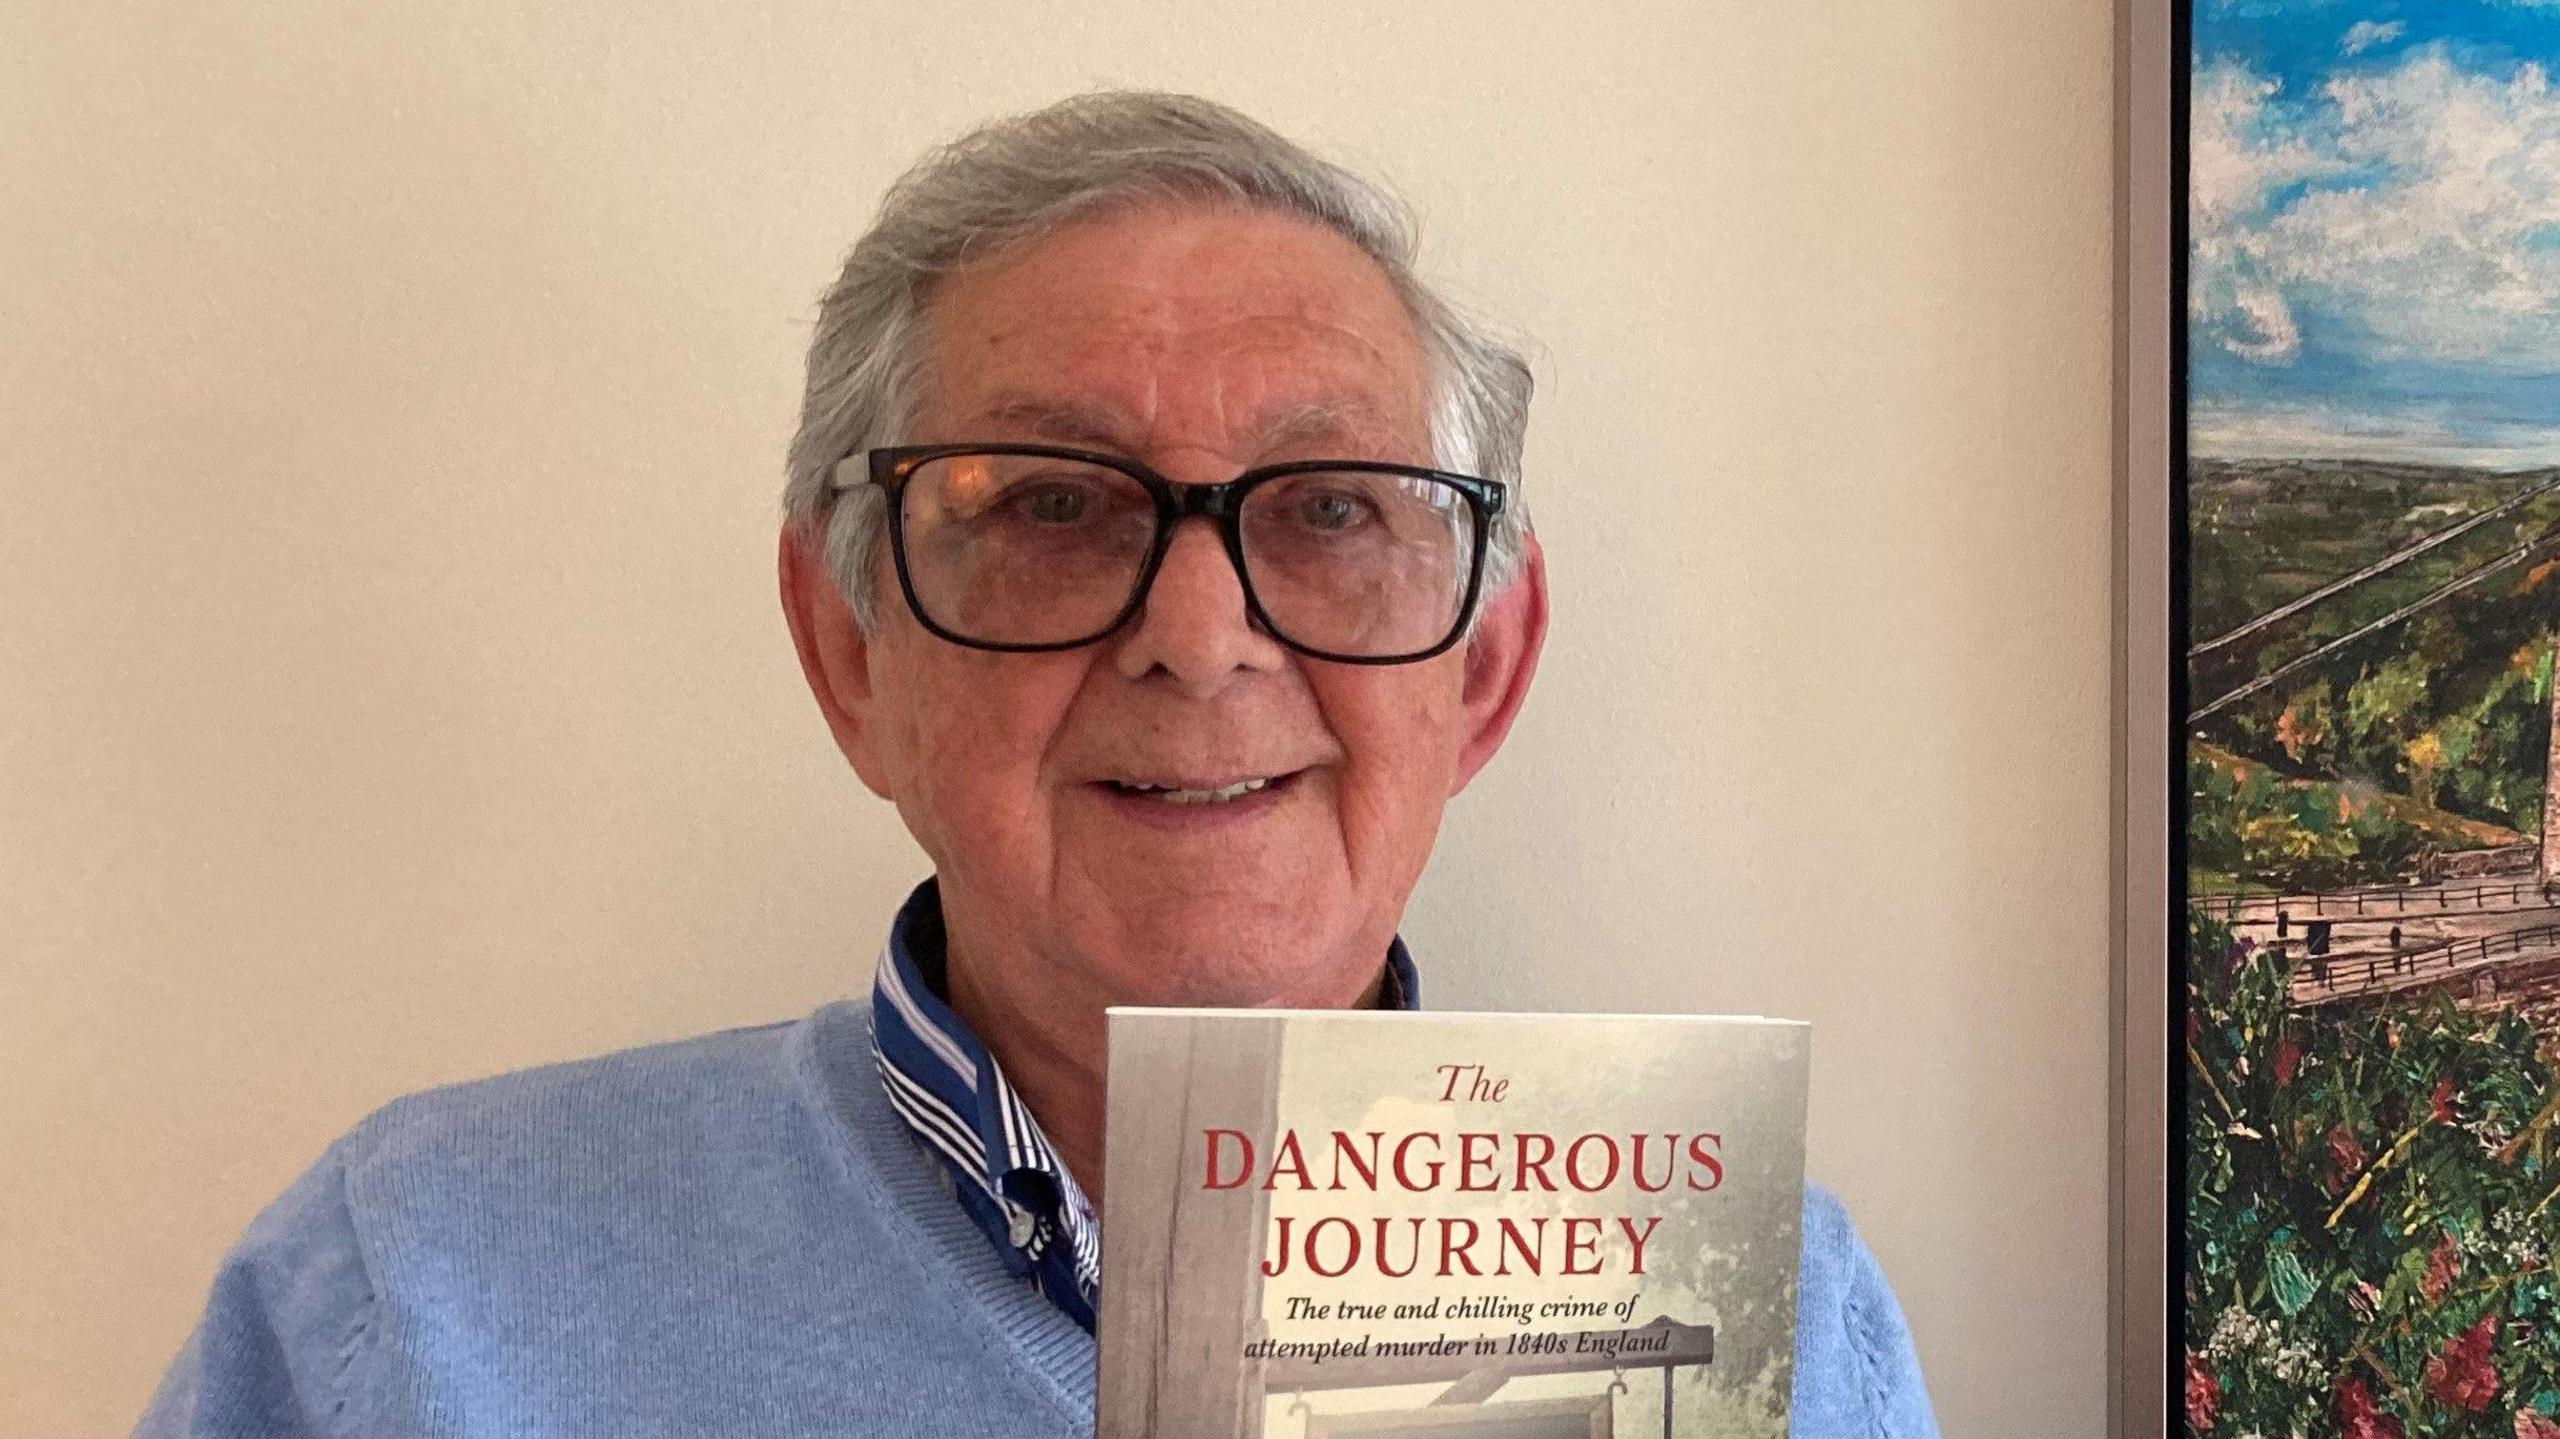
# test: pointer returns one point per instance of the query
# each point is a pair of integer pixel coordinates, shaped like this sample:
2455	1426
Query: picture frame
2143	1221
1578	1417
2337	1058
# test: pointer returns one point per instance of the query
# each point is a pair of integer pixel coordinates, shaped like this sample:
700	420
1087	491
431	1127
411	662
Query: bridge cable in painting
2442	592
2379	567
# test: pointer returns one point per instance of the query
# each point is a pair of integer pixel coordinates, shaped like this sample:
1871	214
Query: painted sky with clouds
2374	223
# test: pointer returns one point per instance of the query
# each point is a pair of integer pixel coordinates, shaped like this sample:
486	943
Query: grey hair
1016	179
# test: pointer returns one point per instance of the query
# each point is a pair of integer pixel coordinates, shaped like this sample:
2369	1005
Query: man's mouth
1191	792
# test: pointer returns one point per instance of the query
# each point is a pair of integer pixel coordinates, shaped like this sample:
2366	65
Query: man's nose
1194	624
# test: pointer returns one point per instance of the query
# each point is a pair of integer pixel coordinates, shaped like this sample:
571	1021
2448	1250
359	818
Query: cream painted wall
391	407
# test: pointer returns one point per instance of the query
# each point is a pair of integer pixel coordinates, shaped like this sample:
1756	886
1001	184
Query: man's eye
1052	502
1332	510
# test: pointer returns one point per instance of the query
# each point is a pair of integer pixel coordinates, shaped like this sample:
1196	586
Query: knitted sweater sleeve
277	1351
1857	1376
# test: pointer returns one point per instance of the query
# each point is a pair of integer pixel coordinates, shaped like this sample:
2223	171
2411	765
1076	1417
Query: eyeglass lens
1036	550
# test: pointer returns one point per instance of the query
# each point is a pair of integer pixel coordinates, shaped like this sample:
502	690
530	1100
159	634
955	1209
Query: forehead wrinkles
1198	334
1218	384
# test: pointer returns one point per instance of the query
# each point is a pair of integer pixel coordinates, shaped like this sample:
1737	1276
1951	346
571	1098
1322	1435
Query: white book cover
1497	1226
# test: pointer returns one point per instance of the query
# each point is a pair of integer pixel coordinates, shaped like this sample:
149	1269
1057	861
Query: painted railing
2335	975
2525	892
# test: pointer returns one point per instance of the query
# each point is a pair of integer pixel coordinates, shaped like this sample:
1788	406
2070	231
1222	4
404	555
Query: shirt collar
955	1098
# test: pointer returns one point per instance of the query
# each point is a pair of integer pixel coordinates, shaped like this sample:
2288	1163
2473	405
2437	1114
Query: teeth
1170	795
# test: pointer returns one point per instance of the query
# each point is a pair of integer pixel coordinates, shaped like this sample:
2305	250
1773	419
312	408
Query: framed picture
2341	878
1586	1417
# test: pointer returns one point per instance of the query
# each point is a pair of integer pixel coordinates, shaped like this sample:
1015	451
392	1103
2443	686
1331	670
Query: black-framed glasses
1040	547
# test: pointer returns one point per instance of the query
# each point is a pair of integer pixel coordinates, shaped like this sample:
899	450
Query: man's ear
1501	658
835	655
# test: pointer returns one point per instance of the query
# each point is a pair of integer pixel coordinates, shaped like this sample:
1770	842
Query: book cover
1496	1226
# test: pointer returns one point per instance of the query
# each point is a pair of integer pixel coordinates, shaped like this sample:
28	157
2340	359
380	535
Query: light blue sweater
735	1236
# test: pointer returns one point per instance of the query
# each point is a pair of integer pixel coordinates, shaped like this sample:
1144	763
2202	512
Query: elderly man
1155	545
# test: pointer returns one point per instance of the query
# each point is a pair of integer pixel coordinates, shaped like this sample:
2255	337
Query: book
1320	1224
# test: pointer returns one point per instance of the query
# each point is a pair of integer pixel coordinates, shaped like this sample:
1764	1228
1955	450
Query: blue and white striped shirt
952	1094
